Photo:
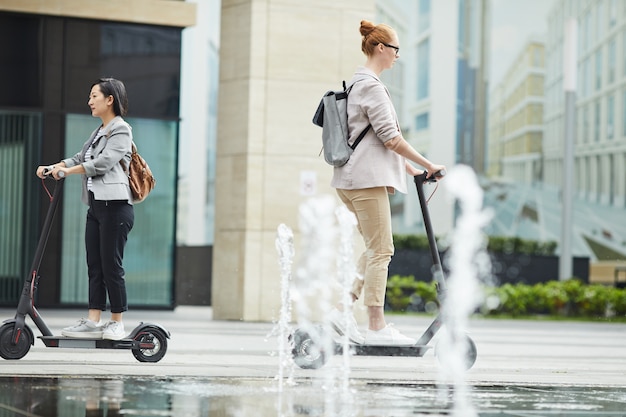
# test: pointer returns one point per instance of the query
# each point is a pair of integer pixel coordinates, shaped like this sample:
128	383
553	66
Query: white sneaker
389	336
84	329
113	330
351	329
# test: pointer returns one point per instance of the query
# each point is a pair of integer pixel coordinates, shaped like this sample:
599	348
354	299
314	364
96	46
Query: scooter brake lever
433	178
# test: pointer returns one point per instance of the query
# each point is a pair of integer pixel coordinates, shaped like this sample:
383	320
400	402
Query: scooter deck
378	350
84	343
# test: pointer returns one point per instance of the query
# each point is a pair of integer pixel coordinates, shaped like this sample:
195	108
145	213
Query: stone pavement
517	352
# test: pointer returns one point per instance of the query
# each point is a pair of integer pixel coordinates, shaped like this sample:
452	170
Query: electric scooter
147	341
309	350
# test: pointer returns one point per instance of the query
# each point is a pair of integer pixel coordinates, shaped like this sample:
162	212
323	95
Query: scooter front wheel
152	345
10	349
469	352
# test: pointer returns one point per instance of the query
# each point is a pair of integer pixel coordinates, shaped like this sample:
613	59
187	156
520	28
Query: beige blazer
371	164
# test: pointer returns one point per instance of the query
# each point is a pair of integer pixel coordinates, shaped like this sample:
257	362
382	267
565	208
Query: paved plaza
226	368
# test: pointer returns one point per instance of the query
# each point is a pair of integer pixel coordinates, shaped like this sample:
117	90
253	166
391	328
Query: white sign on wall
308	183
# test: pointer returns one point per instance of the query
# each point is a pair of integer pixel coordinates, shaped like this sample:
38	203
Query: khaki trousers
373	213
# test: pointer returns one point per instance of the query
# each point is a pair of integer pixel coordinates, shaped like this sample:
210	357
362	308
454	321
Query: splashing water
312	289
311	292
347	273
326	243
285	248
468	263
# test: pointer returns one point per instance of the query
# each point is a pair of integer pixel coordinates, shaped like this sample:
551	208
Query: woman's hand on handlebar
55	171
434	169
42	171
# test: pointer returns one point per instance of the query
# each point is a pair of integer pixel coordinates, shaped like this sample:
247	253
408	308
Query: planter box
507	268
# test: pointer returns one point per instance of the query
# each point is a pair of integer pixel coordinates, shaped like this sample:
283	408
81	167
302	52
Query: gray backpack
332	117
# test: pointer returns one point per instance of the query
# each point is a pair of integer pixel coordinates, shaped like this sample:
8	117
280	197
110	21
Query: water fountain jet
468	263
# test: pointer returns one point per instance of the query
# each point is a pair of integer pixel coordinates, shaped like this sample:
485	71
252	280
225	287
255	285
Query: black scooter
309	350
148	342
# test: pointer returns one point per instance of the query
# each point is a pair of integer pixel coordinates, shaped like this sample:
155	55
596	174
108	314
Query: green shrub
569	298
520	246
617	302
495	244
426	294
555	297
593	301
404	293
516	300
410	242
399	292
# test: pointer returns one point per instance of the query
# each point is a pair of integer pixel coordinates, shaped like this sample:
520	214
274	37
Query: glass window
536	115
600	20
148	258
580	23
462	41
421	121
610	117
146	58
423	22
612	13
535	85
423	69
19	136
585	133
537	56
624	52
19	55
612	61
598	69
585	76
74	285
587	31
596	129
624	112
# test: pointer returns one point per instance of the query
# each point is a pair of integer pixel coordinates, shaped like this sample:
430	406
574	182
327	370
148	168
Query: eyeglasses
397	48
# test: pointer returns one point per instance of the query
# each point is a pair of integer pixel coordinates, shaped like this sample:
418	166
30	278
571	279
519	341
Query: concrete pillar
277	59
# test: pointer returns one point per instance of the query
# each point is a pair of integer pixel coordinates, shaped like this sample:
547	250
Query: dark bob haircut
115	88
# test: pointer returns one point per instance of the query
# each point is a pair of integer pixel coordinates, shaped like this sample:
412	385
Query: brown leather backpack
140	176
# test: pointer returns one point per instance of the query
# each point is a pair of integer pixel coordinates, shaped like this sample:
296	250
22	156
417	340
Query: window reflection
148	258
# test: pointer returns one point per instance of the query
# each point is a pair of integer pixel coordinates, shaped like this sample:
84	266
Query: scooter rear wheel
156	345
308	351
10	350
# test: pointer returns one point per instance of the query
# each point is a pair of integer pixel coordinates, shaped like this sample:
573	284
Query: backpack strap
360	138
133	149
362	135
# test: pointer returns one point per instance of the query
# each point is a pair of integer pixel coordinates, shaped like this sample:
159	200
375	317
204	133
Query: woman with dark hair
378	167
110	216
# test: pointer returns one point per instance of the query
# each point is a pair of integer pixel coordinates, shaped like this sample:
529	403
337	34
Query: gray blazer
371	164
109	180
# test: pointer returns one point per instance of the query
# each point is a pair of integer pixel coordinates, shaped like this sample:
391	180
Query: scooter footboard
404	351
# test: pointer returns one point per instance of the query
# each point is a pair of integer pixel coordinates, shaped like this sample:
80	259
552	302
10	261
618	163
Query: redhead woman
378	167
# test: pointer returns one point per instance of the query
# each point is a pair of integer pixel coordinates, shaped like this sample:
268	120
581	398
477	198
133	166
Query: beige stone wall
603	272
277	58
155	12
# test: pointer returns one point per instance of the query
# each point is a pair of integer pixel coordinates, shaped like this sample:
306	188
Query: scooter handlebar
47	171
433	178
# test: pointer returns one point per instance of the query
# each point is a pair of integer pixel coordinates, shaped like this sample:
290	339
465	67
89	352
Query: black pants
108	225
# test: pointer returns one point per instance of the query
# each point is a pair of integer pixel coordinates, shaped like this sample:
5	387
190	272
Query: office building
53	51
516	118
